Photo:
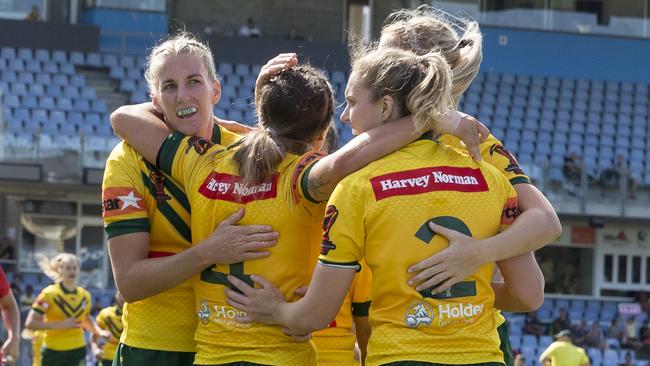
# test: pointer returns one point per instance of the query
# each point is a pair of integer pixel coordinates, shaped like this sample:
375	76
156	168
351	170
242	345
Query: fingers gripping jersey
138	197
215	191
110	319
494	153
382	213
56	304
335	344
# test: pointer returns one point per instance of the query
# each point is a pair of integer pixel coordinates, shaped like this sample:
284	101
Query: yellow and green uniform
494	153
137	197
380	214
335	344
215	191
56	303
110	319
37	344
563	353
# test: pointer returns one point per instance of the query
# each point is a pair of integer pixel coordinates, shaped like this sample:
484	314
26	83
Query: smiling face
361	111
185	93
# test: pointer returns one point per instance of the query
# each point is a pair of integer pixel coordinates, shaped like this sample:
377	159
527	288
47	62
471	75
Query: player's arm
523	286
36	321
138	276
317	309
142	127
362	330
89	324
11	320
535	227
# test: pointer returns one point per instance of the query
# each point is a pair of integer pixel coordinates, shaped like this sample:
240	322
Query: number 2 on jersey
220	278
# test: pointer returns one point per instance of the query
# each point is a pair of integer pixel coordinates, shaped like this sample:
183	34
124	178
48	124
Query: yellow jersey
335	344
380	214
215	191
494	153
137	197
565	354
37	344
110	319
56	303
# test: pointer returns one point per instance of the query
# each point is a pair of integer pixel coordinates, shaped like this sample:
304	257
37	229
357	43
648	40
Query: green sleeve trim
351	265
127	227
361	308
216	134
304	184
39	311
167	152
168	212
519	180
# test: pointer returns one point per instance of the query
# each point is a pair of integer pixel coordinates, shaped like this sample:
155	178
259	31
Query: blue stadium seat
93	119
50	67
33	66
242	70
82	105
25	54
21	114
99	106
68	129
75	118
68	69
577	127
591	140
25	77
29	101
8	53
37	90
94	59
127	85
46	103
64	104
60	79
59	56
88	93
53	90
18	88
225	68
77	58
14	125
12	101
117	72
71	92
78	80
57	117
609	130
43	79
109	59
134	73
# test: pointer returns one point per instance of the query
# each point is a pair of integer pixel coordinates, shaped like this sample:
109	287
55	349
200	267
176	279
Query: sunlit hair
52	267
419	85
427	29
178	44
295	107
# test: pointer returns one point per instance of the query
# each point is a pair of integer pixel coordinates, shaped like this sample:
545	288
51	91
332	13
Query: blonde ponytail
52	267
257	156
432	98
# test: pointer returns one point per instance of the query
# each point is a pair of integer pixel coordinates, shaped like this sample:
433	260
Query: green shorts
107	362
131	356
73	357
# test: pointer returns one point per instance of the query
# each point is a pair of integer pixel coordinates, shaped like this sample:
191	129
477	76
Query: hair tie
271	132
464	43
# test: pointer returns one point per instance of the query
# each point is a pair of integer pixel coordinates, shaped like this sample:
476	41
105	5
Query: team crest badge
513	165
418	314
204	313
331	213
199	144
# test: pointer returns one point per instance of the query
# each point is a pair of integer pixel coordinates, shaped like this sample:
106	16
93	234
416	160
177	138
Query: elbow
129	293
533	299
554	225
29	324
119	120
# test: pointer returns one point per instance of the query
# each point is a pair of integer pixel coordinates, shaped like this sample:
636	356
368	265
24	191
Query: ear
216	92
387	108
320	140
155	100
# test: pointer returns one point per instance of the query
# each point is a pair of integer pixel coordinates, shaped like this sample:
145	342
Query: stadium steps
105	86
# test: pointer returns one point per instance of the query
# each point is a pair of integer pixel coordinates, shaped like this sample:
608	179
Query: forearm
37	324
11	316
141	127
143	278
360	151
523	287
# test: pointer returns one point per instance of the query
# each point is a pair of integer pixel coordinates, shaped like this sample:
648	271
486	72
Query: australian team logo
418	314
513	165
120	201
204	313
199	144
330	218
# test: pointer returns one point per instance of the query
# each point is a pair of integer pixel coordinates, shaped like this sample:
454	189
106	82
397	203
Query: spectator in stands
619	170
561	322
533	326
27	299
630	336
572	168
250	29
34	14
579	332
595	337
97	306
615	329
629	360
563	353
11	321
643	299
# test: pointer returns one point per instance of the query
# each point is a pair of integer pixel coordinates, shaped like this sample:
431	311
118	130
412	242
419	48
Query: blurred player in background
109	319
62	311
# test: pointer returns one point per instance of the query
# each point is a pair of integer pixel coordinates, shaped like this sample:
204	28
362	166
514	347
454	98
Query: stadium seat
58	56
8	53
50	67
78	80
